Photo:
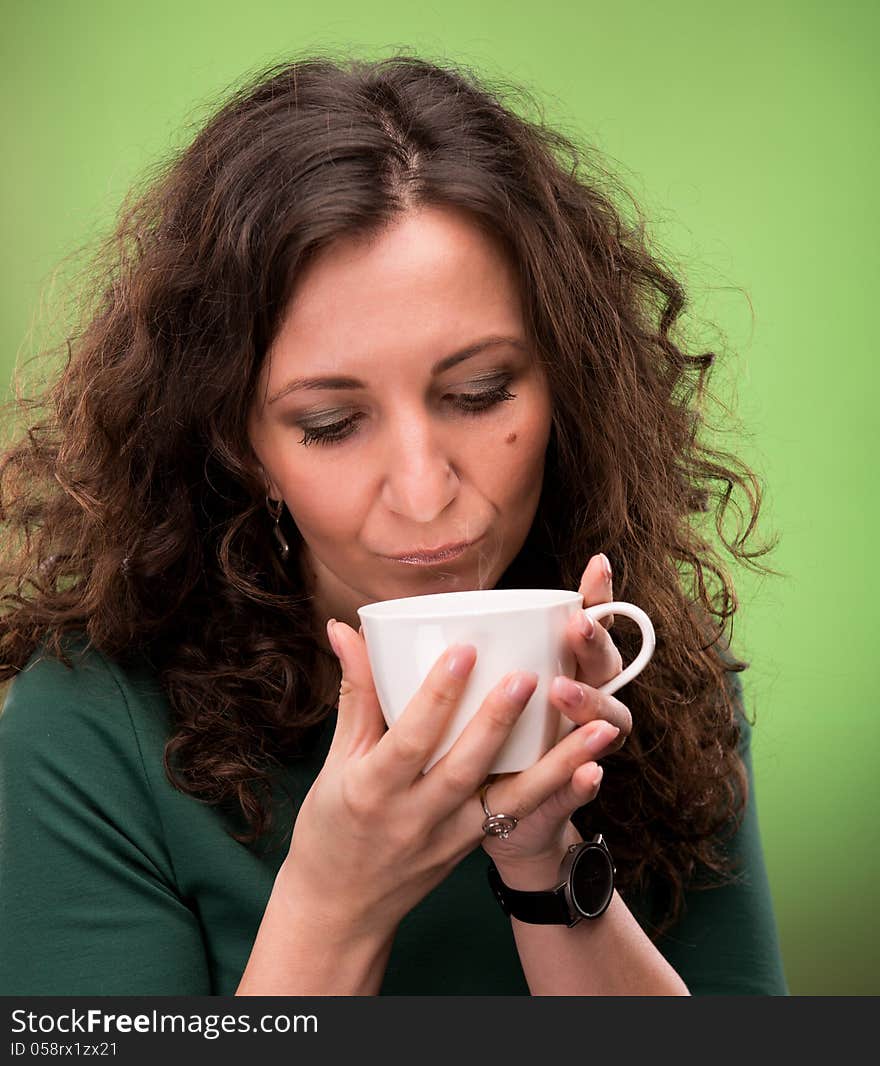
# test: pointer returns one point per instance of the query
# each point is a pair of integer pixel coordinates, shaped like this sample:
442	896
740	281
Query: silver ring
496	825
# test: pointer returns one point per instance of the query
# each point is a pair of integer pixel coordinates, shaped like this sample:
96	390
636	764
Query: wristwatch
585	889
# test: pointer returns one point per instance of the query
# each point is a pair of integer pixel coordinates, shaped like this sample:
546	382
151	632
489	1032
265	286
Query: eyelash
339	431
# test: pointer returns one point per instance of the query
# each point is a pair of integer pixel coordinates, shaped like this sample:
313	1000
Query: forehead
431	282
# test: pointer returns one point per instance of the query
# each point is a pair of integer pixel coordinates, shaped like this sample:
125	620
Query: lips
444	549
434	555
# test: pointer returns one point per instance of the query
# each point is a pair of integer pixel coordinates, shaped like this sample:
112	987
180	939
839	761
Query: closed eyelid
469	403
487	380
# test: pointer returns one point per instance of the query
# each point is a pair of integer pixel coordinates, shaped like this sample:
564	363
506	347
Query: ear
272	490
255	463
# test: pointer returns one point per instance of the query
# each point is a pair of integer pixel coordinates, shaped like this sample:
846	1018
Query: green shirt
112	882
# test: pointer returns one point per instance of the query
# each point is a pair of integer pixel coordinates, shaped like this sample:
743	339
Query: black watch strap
537	908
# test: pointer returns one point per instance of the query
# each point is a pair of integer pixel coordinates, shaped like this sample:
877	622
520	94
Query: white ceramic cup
512	629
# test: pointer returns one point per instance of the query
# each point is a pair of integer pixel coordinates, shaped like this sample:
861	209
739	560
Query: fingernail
601	734
588	627
520	687
606	565
568	691
597	777
461	660
334	644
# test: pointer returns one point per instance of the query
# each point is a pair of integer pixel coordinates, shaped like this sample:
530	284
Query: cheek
321	516
525	441
517	459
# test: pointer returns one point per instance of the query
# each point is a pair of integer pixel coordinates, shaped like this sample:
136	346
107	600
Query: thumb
360	723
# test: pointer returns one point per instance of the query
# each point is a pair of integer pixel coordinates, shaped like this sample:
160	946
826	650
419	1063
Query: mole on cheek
511	437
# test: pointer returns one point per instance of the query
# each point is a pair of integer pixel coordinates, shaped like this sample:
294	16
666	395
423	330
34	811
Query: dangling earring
275	512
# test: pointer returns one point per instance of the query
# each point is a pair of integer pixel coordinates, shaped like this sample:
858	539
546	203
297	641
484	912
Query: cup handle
649	641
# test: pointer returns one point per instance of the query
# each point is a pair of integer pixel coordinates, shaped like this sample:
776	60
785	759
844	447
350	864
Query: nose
420	479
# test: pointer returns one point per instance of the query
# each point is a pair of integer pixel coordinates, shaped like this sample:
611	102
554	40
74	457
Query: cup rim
373	611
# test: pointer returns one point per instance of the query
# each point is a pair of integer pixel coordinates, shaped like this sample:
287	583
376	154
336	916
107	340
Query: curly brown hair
134	511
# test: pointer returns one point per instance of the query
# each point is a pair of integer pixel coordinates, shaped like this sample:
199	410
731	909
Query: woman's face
399	409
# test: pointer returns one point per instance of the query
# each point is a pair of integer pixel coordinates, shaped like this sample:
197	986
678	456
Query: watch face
592	881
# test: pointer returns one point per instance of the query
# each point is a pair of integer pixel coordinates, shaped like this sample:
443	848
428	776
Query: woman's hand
598	661
540	839
374	834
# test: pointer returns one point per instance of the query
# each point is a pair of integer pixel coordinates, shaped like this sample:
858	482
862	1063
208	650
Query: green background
747	131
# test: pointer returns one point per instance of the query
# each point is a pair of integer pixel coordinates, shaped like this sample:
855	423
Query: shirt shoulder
72	748
81	710
76	800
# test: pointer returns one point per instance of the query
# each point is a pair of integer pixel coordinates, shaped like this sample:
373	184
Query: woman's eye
472	403
486	398
329	434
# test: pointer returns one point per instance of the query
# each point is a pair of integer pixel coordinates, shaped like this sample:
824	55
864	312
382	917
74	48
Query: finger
596	585
583	703
583	788
530	788
400	756
598	659
523	793
360	722
466	765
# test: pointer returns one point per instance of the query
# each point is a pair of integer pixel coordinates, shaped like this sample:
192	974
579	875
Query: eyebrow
446	363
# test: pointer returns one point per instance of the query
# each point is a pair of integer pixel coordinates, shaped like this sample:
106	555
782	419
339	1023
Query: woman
368	313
